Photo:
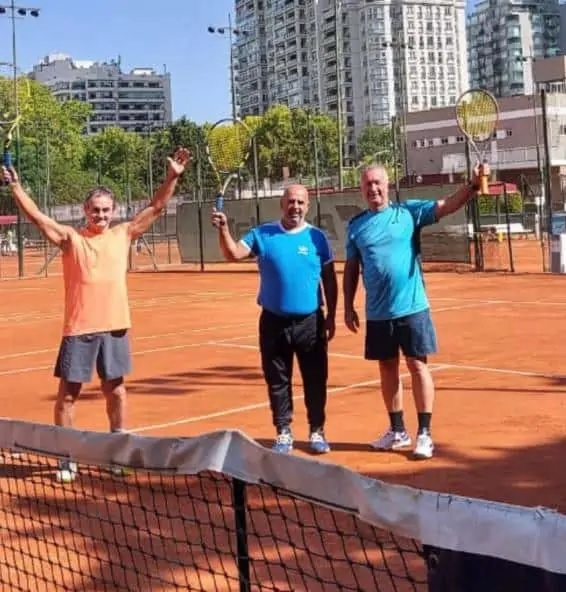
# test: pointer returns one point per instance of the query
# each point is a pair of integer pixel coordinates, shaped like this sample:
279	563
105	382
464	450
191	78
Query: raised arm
232	250
55	233
176	167
462	196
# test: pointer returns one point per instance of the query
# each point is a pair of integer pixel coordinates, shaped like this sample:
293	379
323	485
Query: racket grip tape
7	159
219	204
484	185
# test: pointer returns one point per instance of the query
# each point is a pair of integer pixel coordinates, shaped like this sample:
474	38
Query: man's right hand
9	175
219	219
351	320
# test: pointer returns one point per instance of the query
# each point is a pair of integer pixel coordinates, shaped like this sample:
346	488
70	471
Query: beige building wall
436	146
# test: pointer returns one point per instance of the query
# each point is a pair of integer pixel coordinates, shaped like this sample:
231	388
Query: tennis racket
228	146
477	115
8	124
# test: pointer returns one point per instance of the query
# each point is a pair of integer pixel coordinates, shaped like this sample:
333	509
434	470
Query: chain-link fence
184	235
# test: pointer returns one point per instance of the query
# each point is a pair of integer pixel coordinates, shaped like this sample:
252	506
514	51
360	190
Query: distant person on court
383	243
97	315
294	259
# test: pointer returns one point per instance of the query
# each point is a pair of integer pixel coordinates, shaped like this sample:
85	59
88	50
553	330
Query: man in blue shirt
382	241
293	259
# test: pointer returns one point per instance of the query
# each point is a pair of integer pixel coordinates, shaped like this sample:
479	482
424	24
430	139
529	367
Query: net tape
529	536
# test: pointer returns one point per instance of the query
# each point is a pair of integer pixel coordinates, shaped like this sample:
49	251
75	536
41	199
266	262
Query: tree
286	139
51	144
182	132
118	159
376	144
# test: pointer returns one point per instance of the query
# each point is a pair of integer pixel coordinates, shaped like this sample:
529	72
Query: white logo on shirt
302	250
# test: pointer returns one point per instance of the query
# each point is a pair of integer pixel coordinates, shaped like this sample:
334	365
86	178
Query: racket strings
477	115
8	119
228	146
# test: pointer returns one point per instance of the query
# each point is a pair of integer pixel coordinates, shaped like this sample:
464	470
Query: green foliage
286	139
488	204
60	163
118	156
375	145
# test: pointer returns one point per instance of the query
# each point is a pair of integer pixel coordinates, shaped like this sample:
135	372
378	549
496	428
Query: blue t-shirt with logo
290	265
384	243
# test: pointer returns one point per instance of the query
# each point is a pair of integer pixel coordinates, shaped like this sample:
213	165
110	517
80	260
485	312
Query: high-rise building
136	101
504	37
378	59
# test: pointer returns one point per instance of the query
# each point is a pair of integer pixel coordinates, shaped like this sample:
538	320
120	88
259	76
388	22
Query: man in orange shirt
97	313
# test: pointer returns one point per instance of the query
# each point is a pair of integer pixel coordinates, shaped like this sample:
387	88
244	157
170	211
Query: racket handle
219	204
484	178
7	159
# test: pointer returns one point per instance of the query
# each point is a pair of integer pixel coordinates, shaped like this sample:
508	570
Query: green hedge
488	204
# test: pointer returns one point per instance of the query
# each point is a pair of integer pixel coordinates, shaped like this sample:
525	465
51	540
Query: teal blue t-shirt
391	271
290	265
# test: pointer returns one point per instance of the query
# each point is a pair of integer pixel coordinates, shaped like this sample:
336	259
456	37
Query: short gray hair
373	167
99	190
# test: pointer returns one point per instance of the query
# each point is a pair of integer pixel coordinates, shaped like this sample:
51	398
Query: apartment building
136	101
505	37
365	60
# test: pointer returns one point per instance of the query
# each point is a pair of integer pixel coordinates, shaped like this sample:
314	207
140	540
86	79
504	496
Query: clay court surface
500	376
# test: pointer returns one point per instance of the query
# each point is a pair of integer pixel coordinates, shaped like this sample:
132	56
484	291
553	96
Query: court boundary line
144	304
261	405
179	346
447	365
29	353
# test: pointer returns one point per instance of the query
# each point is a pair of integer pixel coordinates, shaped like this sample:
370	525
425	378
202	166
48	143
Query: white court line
501	371
464	306
37	316
262	405
154	350
226	343
212	329
498	301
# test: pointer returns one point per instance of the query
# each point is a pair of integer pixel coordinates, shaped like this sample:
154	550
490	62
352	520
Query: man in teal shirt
382	242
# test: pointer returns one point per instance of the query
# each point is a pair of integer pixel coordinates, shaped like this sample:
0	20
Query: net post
474	214
547	172
199	207
256	178
508	224
242	551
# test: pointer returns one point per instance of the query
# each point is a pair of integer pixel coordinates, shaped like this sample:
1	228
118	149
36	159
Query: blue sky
143	33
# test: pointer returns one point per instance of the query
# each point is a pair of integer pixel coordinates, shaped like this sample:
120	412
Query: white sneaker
67	472
392	441
119	471
424	447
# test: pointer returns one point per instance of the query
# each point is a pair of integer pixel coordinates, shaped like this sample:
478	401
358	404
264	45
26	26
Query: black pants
280	338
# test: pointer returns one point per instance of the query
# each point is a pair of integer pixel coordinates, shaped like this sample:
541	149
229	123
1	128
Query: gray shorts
79	354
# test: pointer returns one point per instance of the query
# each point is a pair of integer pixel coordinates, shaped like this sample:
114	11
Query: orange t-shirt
94	274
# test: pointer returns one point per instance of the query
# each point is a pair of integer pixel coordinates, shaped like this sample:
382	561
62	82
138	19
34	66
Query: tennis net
219	513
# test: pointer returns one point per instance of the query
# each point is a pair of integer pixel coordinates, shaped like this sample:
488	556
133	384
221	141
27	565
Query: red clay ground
500	410
500	377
